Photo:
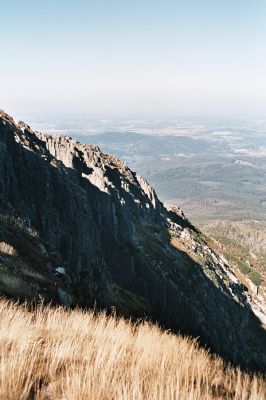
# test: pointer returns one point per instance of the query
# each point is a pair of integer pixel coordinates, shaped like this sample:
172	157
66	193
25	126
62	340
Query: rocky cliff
79	227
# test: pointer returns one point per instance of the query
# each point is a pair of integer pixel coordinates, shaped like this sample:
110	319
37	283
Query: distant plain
213	168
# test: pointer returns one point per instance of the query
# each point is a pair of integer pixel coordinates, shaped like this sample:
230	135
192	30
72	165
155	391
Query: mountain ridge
78	227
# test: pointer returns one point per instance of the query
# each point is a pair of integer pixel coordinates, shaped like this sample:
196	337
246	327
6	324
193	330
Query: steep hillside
50	354
248	234
244	244
79	227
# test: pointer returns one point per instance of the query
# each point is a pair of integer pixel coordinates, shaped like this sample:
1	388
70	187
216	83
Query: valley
213	168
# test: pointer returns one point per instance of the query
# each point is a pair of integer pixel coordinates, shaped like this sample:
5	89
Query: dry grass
74	355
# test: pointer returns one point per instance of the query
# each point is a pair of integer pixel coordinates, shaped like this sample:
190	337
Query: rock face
79	227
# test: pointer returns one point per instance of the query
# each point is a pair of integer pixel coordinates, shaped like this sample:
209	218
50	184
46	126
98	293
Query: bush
255	277
243	267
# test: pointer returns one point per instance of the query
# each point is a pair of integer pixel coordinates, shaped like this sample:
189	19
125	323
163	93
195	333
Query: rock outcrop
78	227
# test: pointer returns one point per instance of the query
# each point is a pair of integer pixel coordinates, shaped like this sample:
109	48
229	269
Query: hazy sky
190	56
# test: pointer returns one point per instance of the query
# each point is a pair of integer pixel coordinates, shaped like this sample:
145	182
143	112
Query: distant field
49	354
212	170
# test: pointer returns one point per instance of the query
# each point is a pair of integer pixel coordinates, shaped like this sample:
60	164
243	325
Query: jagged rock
69	207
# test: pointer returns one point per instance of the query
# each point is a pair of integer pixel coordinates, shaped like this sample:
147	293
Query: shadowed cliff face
78	227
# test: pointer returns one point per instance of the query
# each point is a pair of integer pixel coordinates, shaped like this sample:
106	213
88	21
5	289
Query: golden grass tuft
53	353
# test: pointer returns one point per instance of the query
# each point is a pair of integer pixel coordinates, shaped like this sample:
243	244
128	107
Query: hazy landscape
213	168
133	200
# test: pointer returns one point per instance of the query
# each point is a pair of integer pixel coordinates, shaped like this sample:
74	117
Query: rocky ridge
79	227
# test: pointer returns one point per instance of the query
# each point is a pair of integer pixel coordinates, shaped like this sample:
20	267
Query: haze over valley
213	168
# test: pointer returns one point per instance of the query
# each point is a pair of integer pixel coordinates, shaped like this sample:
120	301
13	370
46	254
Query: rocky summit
78	227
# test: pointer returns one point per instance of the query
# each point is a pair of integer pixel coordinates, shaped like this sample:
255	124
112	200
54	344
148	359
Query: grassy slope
74	355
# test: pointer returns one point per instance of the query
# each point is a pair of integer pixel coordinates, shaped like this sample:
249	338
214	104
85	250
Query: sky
109	56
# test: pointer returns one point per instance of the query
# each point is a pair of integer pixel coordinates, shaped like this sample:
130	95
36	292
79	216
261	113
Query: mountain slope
79	227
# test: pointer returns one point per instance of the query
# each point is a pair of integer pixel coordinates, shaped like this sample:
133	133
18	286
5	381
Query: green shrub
243	267
255	277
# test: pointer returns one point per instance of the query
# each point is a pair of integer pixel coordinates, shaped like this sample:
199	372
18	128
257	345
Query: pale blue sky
193	56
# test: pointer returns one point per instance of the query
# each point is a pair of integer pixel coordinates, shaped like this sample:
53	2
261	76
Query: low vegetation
255	278
52	353
233	248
